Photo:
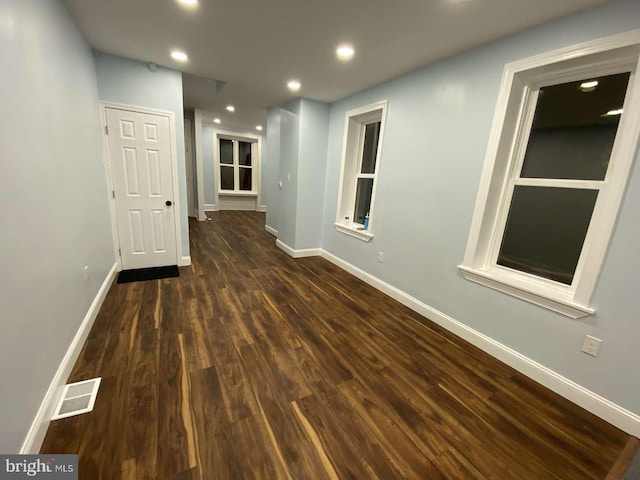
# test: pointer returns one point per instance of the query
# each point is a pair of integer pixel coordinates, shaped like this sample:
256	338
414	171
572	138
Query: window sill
232	193
354	232
558	300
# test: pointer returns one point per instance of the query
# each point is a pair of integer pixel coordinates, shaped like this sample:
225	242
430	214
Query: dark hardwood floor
254	365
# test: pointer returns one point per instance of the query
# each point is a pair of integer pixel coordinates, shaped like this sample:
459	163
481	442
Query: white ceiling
257	45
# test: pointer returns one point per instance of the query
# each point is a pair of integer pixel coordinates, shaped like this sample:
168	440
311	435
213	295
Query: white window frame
350	171
510	133
255	163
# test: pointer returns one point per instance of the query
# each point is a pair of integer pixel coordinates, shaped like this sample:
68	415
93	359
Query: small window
236	165
554	176
360	166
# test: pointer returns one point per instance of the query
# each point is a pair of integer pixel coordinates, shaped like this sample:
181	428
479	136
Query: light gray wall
314	131
271	167
122	80
288	174
208	166
192	159
55	216
436	136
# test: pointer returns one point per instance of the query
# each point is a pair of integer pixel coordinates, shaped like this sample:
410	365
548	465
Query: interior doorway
141	171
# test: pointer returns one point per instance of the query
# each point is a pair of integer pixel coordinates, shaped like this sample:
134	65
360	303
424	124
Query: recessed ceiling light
216	120
179	55
589	86
231	108
259	128
294	85
188	2
345	52
613	113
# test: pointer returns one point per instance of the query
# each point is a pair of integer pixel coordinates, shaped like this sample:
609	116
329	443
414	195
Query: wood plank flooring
254	365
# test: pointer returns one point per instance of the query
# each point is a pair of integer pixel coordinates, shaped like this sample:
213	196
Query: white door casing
140	161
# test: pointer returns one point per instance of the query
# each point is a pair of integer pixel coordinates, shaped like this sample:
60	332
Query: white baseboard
271	230
590	401
185	261
210	207
306	252
261	208
35	435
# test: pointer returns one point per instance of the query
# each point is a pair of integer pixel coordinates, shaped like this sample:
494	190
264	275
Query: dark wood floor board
524	439
505	440
237	394
255	365
346	438
290	439
176	450
410	456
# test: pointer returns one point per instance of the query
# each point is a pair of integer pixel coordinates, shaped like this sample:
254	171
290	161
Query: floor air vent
77	398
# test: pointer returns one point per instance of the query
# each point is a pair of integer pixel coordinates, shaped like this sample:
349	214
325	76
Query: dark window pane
545	231
572	137
371	136
226	178
226	152
244	151
245	178
363	199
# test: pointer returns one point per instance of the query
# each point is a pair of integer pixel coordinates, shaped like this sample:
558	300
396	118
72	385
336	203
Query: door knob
168	203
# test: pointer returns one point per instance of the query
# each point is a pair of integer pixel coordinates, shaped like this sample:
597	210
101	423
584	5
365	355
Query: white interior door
140	160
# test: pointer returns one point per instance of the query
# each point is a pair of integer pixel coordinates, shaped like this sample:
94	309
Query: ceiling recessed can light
259	128
179	55
294	85
589	86
345	52
216	120
613	113
188	2
231	108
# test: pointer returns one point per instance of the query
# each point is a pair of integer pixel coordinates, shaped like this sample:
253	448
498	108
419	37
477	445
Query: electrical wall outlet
380	257
86	273
591	345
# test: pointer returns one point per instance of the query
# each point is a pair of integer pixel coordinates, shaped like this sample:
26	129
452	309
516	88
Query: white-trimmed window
363	133
236	165
562	145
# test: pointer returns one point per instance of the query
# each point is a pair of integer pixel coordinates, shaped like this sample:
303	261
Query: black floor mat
142	274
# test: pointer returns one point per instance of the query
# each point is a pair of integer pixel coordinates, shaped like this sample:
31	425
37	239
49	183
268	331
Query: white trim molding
35	435
590	401
300	253
353	231
261	208
271	230
185	261
512	123
210	207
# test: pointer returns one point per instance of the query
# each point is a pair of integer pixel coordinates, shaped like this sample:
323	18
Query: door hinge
120	252
106	129
113	193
